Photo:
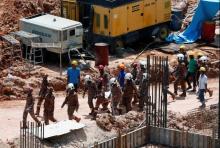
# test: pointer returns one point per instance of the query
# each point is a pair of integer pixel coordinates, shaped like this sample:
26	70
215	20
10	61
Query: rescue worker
179	73
203	80
29	108
73	75
116	94
72	101
182	50
143	91
42	93
134	71
199	55
49	107
203	63
129	89
100	95
191	73
91	87
104	75
121	75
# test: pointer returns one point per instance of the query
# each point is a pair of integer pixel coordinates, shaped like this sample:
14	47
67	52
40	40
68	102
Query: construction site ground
11	111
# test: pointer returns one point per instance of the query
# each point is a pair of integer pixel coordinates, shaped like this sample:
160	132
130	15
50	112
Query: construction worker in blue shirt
73	75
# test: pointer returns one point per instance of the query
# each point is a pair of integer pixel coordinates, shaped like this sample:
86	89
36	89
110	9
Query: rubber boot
92	111
210	93
175	92
76	118
183	94
189	87
38	111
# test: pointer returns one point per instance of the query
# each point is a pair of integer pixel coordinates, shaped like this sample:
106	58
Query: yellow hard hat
202	69
74	62
191	53
182	47
200	54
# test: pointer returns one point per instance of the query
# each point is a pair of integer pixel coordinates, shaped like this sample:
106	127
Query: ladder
34	55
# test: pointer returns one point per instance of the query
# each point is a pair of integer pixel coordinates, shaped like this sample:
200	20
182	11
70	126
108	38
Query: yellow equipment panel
135	15
118	21
163	10
149	12
101	20
71	9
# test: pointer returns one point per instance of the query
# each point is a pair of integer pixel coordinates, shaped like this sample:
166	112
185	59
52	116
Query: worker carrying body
42	93
180	72
72	101
100	95
182	50
91	88
203	62
73	75
116	94
191	73
49	107
105	76
129	89
29	108
121	75
143	91
203	80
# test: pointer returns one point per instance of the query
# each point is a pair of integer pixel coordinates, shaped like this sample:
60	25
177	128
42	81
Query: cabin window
97	20
72	32
106	21
65	35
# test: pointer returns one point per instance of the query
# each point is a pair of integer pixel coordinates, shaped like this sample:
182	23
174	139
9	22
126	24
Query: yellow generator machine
119	22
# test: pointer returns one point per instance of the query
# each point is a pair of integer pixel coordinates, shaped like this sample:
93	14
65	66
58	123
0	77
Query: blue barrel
176	19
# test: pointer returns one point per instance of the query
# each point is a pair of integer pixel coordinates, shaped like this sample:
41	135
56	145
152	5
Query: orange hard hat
122	66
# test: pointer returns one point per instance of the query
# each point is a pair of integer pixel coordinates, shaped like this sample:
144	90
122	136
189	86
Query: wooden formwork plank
157	135
161	136
132	140
195	141
176	139
201	141
209	142
217	143
135	138
139	138
190	140
205	142
171	143
167	137
128	141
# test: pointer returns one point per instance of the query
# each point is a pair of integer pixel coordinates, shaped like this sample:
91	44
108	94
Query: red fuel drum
208	31
102	53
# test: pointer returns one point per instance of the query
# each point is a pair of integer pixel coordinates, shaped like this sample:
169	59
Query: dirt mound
124	122
13	10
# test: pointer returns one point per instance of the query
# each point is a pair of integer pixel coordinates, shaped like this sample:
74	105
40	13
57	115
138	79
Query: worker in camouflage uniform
29	108
49	107
143	91
42	93
100	95
116	94
72	101
134	73
129	90
180	72
91	88
182	50
105	76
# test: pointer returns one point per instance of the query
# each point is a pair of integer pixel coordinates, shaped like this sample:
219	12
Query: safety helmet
182	48
74	62
143	64
202	69
122	66
180	57
191	53
70	86
145	76
101	67
204	59
135	64
199	54
87	78
128	76
113	81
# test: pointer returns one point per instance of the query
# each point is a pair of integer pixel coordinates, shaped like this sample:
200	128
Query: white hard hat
87	78
145	76
128	76
113	81
70	86
143	63
180	56
204	59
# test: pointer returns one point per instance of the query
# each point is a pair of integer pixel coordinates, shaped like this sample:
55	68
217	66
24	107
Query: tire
163	32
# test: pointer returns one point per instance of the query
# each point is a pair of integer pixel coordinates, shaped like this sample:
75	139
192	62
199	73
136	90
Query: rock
58	84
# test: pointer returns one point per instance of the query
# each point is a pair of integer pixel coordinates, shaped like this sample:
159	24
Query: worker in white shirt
202	86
